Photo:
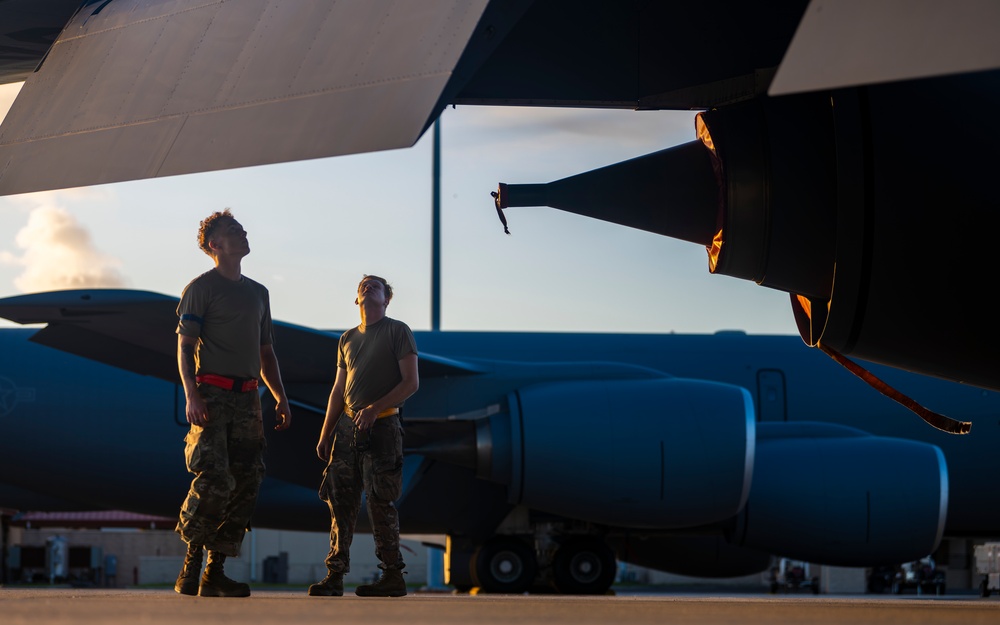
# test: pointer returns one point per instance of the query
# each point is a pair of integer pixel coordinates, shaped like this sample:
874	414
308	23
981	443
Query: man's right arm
196	411
334	408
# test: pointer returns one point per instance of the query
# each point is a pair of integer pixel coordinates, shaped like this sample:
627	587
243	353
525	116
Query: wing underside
138	89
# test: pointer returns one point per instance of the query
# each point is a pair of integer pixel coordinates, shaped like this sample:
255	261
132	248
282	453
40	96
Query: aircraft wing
136	89
144	88
134	330
856	42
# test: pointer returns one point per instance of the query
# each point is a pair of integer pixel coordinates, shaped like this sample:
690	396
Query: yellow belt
388	412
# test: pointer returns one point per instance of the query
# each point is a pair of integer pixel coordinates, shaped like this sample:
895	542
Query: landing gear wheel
583	566
505	564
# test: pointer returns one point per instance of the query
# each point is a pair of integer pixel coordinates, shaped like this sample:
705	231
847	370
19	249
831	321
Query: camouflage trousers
378	473
226	457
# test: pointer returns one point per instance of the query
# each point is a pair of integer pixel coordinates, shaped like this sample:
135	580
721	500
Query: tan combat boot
214	582
331	586
187	581
391	584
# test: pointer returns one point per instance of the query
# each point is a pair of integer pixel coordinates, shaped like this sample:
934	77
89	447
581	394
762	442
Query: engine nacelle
835	495
847	200
660	453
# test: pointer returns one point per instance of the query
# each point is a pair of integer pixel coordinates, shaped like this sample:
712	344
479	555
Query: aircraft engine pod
783	191
777	215
802	211
659	453
835	495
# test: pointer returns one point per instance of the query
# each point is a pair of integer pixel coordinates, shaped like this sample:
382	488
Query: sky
316	227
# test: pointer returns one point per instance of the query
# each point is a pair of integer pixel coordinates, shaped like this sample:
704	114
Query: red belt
240	385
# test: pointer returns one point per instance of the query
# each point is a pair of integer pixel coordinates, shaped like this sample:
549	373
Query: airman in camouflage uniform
224	344
362	440
226	458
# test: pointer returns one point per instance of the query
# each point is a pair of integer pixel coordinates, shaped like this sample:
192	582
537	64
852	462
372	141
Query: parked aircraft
840	153
823	170
542	457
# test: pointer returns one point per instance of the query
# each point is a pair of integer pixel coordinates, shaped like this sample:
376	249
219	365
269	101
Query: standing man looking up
362	440
224	343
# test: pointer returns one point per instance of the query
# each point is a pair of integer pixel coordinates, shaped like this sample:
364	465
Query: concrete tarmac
67	606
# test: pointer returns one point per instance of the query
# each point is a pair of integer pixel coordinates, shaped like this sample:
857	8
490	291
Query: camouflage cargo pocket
386	461
192	451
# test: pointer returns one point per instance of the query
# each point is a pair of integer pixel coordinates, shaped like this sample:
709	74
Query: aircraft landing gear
504	564
583	565
552	558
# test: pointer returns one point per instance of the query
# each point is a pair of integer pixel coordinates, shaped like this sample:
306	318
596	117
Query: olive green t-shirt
231	319
371	359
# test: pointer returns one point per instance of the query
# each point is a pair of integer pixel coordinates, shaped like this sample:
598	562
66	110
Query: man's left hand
283	415
365	418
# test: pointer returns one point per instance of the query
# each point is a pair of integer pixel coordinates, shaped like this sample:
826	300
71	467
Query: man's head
374	287
220	232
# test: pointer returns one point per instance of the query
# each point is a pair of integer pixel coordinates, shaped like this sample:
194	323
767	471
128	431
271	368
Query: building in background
119	549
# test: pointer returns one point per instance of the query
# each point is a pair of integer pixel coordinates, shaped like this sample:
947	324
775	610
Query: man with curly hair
224	345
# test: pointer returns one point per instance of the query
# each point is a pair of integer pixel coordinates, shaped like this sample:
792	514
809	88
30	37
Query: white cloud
58	253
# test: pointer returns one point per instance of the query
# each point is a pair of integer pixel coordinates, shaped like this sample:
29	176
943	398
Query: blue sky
316	227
